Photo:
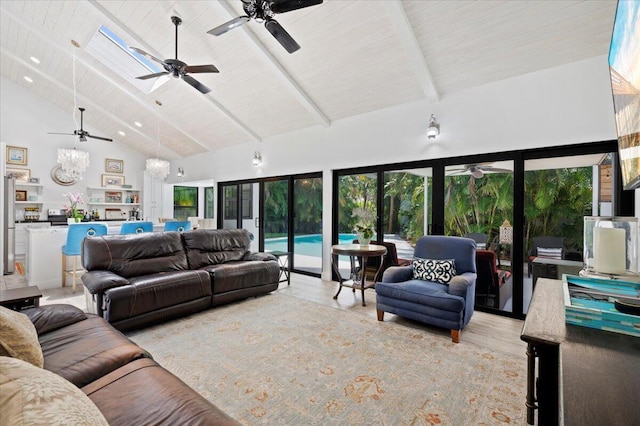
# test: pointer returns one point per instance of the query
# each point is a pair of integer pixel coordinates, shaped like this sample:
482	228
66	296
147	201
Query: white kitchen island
43	258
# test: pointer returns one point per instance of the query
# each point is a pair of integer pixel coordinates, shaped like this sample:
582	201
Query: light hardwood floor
485	330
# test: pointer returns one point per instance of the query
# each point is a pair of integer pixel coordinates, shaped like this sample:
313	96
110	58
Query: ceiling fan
265	10
478	170
177	68
83	134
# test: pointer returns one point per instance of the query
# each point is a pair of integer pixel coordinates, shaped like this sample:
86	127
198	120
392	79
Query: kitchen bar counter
43	259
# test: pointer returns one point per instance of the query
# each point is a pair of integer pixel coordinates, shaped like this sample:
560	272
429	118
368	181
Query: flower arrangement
72	209
365	224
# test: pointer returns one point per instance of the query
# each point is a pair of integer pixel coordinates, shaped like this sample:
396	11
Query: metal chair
179	226
480	239
492	284
136	227
76	233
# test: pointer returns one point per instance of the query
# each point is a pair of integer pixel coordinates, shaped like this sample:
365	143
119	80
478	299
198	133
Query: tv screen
624	66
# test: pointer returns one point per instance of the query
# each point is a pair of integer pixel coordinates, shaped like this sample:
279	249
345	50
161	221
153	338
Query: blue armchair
444	305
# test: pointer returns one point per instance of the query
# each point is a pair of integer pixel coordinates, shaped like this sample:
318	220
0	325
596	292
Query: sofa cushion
30	396
135	254
440	271
83	351
214	246
154	292
160	398
19	338
51	317
243	274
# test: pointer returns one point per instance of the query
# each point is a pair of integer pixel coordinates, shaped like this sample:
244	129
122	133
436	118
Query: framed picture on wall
20	175
113	166
21	195
16	155
113	197
108	180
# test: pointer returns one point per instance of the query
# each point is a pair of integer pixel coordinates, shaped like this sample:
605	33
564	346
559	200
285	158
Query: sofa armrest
259	256
100	281
459	285
397	274
47	318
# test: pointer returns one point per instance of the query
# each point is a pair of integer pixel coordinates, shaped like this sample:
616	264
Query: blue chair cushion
421	292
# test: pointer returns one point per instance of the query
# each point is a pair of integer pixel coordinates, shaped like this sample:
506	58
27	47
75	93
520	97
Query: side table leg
363	281
334	263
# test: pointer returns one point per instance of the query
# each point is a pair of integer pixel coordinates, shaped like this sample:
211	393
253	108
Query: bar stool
76	233
179	226
136	227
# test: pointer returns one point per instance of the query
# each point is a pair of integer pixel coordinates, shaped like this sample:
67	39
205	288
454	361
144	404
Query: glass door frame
623	201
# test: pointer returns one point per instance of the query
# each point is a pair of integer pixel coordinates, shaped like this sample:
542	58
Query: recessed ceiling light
121	133
34	60
29	79
137	124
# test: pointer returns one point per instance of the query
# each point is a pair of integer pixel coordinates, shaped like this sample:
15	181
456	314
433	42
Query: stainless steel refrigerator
9	225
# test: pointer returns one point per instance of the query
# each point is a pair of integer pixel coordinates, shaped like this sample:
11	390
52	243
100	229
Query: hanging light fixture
72	161
157	168
257	158
434	128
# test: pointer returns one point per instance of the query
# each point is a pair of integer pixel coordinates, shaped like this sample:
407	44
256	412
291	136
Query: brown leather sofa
141	279
120	378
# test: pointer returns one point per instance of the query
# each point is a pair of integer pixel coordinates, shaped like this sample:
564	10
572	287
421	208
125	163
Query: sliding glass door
240	209
307	224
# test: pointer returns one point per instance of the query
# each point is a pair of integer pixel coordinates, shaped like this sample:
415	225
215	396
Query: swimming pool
307	245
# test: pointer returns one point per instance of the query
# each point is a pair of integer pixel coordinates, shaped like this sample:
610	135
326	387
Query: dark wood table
584	376
358	278
20	298
284	263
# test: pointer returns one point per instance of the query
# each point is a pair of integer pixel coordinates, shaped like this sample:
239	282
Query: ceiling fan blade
200	68
281	35
146	55
495	169
195	83
148	76
98	137
235	22
55	133
282	6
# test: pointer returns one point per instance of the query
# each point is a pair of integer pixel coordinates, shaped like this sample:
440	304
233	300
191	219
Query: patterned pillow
19	338
440	271
30	396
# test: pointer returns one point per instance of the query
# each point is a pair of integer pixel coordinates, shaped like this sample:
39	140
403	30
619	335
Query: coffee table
354	251
20	298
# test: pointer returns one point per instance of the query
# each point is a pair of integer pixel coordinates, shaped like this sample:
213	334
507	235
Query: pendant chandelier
157	168
72	161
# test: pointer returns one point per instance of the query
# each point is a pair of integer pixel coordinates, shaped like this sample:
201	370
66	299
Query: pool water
307	245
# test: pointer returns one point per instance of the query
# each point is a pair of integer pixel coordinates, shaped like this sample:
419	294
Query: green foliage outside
307	208
356	191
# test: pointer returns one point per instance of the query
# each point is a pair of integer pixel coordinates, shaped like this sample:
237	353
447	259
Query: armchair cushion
440	271
552	253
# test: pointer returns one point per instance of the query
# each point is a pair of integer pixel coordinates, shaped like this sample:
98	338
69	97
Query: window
185	202
231	202
208	202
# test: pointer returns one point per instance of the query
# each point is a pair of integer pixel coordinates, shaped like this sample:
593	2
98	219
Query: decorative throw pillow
34	396
18	337
440	271
551	253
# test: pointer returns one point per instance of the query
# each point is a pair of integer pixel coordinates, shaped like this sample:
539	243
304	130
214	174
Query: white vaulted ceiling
356	56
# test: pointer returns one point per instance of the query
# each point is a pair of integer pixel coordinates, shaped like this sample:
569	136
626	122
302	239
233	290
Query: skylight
114	53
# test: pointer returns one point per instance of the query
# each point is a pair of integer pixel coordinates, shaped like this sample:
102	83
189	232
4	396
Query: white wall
25	120
564	105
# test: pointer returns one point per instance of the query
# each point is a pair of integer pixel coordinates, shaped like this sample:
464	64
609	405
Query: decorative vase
362	240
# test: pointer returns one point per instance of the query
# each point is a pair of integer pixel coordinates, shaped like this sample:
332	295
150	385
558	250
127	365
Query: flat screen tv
624	66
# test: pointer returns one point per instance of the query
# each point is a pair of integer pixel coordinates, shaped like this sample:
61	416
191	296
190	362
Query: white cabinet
21	235
28	201
152	200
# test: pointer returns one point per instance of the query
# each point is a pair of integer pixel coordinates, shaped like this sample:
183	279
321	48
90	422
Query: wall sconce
180	172
257	158
434	128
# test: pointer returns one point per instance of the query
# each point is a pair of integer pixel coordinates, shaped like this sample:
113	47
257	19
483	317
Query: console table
584	376
362	252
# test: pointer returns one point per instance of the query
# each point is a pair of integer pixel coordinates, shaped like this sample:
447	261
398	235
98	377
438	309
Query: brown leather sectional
141	279
120	378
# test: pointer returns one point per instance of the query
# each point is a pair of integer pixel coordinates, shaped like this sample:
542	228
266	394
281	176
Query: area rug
278	359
